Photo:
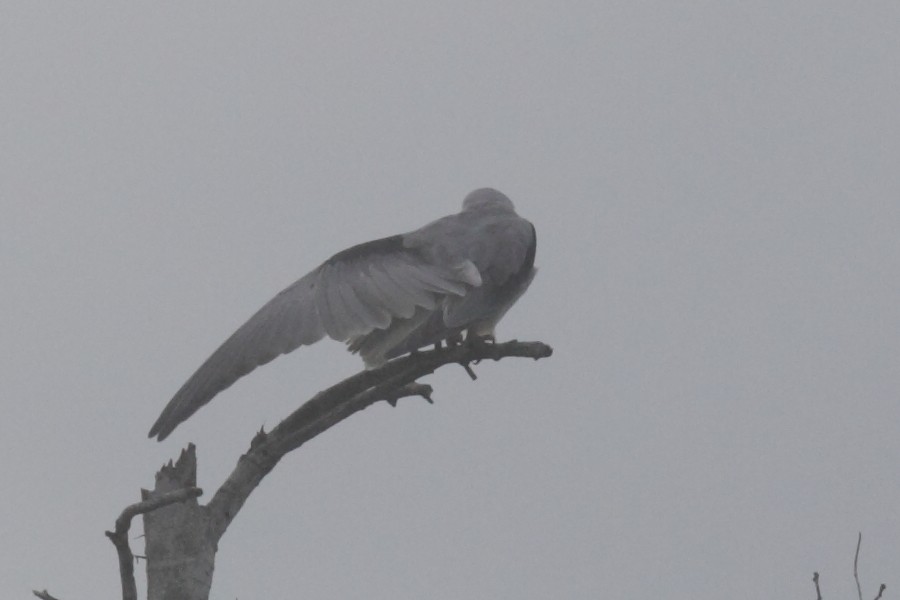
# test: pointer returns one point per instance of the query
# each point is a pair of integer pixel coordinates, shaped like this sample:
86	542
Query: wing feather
360	316
399	274
286	322
397	303
372	298
324	302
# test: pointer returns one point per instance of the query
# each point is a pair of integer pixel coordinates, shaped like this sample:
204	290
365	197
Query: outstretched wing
353	293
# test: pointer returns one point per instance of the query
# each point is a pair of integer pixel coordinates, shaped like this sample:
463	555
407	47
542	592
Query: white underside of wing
357	296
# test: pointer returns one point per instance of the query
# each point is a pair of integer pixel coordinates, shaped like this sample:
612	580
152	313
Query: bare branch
389	382
856	564
145	506
856	571
119	537
855	575
45	595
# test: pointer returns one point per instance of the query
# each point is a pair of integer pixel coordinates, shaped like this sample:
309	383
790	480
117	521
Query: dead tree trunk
180	551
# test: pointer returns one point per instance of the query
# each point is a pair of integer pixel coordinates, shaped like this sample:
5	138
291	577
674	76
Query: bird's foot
454	340
474	339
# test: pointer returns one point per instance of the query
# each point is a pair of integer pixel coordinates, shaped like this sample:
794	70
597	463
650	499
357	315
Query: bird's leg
454	339
475	340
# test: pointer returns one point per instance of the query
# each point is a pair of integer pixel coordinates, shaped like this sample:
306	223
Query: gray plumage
383	298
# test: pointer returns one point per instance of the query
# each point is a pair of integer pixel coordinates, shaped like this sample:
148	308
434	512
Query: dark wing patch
386	245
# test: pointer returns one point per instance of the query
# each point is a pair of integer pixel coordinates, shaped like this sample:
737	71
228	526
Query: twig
856	571
119	537
855	564
45	595
469	371
410	389
816	581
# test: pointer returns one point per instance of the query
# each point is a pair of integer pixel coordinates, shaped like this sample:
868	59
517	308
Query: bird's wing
352	293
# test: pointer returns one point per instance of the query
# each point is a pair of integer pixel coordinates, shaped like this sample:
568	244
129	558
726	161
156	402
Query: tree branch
856	564
182	539
855	575
389	382
119	537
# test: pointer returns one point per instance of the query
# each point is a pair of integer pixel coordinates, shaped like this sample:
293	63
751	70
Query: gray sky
717	198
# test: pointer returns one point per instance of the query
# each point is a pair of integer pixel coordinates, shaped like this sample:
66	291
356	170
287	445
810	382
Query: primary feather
383	298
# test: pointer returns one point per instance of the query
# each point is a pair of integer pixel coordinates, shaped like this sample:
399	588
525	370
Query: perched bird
383	298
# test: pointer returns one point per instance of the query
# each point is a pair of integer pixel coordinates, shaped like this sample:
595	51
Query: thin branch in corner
856	565
855	575
119	537
856	571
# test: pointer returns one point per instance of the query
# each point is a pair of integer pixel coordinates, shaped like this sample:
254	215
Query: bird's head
487	199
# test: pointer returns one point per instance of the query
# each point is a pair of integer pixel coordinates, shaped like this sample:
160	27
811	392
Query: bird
384	298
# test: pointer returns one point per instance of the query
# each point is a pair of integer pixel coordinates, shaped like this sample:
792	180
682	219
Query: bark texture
179	548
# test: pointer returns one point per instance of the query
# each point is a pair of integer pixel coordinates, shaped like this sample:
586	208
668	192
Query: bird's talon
454	340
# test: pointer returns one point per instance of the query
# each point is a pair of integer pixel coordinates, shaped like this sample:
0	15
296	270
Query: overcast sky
716	192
